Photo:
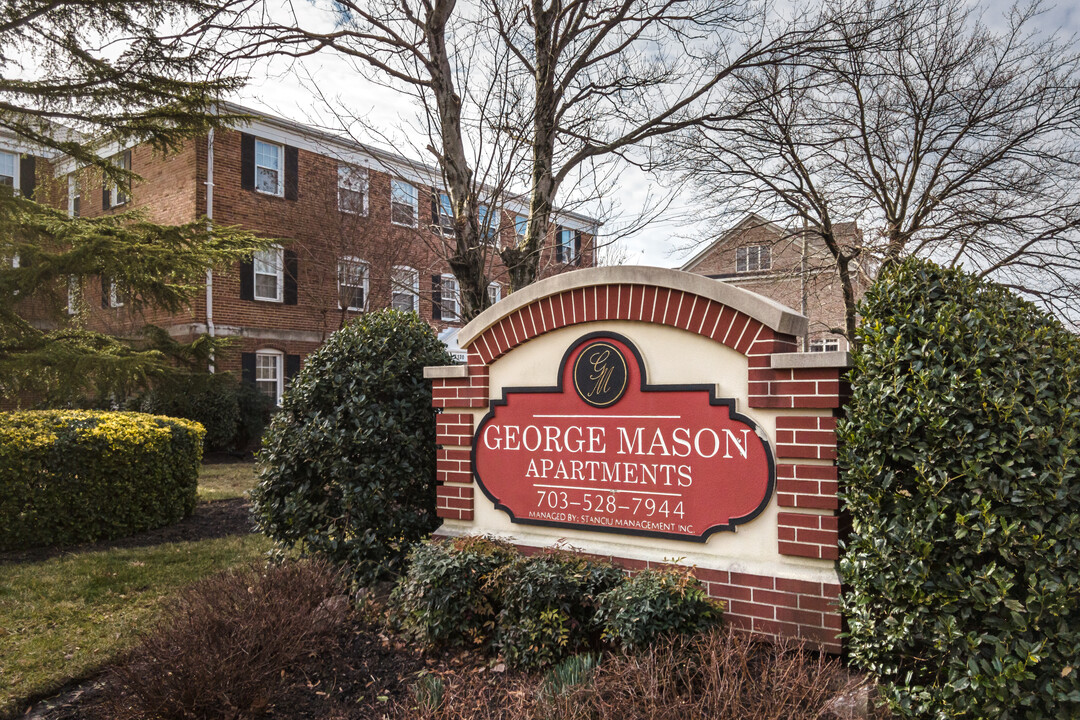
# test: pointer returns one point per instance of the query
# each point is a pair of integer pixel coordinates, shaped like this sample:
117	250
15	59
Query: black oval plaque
600	374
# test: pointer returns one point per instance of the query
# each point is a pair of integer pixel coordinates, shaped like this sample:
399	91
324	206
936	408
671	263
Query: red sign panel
604	450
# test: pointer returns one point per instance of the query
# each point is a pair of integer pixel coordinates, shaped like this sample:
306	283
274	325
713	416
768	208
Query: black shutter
436	297
27	177
291	275
104	292
577	247
127	183
247	368
247	163
105	196
247	280
560	256
436	221
292	181
292	366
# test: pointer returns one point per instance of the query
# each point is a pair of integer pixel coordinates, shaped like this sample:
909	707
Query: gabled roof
752	220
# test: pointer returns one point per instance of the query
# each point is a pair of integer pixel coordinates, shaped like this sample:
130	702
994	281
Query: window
451	298
269	274
74	196
489	224
825	345
9	170
120	194
564	249
269	378
268	164
442	214
73	295
521	224
404	288
352	189
494	293
352	284
402	203
753	258
116	295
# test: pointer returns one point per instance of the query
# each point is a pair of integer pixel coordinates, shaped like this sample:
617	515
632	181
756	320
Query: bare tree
435	54
528	99
941	136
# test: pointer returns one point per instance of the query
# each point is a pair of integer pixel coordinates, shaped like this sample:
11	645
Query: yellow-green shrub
69	476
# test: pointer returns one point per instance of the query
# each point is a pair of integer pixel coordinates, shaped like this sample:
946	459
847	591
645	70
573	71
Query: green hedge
961	463
539	609
70	476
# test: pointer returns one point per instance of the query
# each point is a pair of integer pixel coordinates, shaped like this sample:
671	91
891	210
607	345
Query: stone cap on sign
779	318
441	372
798	360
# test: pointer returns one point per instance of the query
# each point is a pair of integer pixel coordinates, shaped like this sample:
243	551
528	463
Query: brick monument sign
650	417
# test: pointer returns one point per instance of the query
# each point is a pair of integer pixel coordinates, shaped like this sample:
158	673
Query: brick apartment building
361	229
790	266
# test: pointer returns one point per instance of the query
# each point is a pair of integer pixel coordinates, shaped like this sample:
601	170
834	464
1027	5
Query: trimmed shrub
654	603
444	598
548	606
962	479
222	647
347	469
70	476
234	414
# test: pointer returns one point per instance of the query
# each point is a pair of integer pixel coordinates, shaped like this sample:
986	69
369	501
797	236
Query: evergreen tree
77	77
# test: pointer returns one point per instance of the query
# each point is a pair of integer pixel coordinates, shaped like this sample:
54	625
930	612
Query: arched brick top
742	320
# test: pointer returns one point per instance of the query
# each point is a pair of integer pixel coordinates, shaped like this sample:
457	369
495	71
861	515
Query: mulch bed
215	519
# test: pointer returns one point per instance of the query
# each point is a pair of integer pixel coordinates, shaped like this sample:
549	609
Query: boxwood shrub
962	480
347	469
656	603
70	476
548	606
446	597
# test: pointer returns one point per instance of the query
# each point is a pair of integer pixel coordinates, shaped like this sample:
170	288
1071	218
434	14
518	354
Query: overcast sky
284	92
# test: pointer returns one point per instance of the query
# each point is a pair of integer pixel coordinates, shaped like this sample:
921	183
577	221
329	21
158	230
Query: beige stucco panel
671	356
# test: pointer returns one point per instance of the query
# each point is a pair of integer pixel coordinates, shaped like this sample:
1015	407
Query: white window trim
73	295
114	295
16	185
455	314
280	263
349	178
568	248
280	169
825	345
365	282
415	202
758	249
280	358
446	220
114	189
498	292
74	191
415	285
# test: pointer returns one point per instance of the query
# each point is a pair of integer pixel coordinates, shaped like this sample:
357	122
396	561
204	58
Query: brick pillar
457	391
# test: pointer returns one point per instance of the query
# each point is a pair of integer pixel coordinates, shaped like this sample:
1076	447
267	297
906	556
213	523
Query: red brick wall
173	190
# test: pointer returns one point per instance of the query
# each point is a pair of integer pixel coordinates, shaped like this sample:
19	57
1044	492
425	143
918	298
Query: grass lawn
64	617
225	480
